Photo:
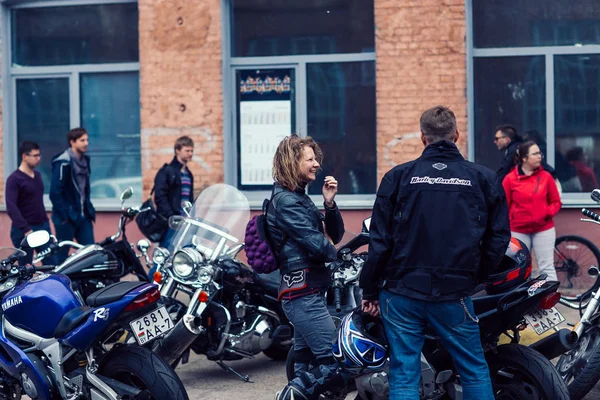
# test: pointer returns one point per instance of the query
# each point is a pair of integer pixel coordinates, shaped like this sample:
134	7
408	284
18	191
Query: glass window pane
517	23
283	27
508	90
342	119
105	33
110	111
43	117
577	119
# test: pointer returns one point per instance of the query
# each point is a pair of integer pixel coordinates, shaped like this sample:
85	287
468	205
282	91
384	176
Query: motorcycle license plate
544	320
151	325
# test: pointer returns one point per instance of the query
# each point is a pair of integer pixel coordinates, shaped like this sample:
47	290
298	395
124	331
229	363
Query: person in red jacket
533	200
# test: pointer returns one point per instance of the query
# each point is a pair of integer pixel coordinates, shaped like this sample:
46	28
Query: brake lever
589	220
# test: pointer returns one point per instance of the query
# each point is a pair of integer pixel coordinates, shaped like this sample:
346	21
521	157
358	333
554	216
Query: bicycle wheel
573	256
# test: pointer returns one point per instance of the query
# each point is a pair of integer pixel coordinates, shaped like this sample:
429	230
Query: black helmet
514	269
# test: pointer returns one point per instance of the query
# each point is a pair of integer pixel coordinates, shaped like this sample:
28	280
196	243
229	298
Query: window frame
71	71
229	67
569	200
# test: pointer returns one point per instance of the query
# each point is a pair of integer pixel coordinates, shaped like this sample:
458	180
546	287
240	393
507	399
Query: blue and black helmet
360	343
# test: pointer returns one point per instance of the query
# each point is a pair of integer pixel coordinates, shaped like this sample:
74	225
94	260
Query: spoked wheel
521	373
142	369
580	367
573	256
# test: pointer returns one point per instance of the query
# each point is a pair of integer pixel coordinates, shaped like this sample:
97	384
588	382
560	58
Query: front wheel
519	372
580	367
140	368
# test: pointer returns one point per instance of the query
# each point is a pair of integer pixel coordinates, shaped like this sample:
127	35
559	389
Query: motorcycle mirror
175	221
595	195
366	224
127	193
593	271
36	239
143	245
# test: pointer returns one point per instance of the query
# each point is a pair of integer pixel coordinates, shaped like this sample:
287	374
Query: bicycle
573	256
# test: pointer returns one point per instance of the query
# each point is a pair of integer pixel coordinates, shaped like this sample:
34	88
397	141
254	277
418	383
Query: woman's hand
330	188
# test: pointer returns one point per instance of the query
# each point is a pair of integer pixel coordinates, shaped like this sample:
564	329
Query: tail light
144	299
549	301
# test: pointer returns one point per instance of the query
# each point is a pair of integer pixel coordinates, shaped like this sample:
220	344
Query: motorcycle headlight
185	262
205	275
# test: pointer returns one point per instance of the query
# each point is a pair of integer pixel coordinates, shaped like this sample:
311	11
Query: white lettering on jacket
439	181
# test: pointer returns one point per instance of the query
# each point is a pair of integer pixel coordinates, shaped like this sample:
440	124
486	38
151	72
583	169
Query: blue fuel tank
39	304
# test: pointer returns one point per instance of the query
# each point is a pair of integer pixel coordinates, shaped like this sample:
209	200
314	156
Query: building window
326	51
536	66
78	65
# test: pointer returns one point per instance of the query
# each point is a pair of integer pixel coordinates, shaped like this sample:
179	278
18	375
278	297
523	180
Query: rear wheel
519	372
140	368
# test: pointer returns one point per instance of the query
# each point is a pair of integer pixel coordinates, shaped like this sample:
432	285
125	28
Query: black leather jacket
296	228
167	189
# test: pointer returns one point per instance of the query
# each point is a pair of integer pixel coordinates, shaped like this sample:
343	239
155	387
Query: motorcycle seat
270	283
111	293
71	320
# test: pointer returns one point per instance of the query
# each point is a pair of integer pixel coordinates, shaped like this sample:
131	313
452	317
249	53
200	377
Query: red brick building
354	74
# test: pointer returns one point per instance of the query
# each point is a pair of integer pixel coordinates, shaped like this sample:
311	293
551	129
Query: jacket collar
66	158
521	175
278	188
443	149
176	164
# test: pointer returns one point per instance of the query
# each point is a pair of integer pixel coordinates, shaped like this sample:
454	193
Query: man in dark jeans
25	199
72	211
439	225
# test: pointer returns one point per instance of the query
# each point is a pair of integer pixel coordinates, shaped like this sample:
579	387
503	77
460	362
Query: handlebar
45	268
590	214
337	298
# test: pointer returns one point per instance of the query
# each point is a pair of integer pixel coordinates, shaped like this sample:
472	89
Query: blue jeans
314	329
405	320
17	235
82	230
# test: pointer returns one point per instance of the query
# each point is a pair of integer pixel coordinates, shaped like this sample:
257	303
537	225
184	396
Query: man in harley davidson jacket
439	225
296	230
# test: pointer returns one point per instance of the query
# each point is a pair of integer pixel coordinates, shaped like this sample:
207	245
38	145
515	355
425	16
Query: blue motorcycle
54	346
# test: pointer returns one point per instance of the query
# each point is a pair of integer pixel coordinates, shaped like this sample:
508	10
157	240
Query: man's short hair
184	141
26	147
438	123
507	130
74	134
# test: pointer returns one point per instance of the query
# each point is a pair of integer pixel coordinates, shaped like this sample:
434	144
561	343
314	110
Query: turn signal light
157	277
203	297
550	301
144	299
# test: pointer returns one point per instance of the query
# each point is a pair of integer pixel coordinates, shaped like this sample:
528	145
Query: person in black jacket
174	184
439	226
506	140
296	229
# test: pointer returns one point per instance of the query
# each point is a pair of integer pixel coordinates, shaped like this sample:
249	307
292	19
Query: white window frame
569	200
72	72
231	64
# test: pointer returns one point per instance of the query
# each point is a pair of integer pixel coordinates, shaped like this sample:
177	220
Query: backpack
261	255
151	223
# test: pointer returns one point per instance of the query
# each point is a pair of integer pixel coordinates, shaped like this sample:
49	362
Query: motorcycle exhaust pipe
176	342
556	344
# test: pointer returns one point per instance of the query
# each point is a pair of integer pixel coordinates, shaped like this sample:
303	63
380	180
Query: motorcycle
96	266
64	354
232	313
580	367
517	371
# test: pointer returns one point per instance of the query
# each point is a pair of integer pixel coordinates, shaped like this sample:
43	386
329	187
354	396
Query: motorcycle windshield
10	253
216	222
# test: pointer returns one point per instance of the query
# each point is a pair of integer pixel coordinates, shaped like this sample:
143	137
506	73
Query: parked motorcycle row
77	331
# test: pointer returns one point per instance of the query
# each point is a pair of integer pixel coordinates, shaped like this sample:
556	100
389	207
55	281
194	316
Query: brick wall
421	62
181	85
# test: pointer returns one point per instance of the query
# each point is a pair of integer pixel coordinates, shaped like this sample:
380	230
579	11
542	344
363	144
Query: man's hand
371	307
330	188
